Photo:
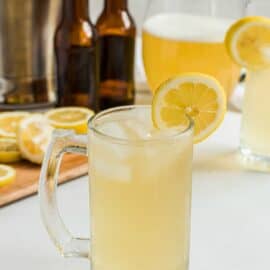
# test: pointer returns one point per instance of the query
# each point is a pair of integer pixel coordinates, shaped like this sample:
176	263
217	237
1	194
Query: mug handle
63	141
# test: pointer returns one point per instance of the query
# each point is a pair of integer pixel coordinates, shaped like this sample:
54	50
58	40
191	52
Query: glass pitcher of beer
188	36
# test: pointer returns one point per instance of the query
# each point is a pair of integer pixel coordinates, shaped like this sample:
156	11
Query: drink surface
255	131
116	71
140	196
174	43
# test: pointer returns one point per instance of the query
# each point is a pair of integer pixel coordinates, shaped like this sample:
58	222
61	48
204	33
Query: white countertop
230	215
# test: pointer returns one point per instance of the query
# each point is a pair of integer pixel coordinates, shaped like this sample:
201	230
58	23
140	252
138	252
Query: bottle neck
74	10
115	5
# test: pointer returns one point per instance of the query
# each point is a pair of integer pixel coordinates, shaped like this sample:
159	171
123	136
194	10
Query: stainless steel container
27	72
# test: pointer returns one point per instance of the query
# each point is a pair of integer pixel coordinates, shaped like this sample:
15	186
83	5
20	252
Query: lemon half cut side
7	175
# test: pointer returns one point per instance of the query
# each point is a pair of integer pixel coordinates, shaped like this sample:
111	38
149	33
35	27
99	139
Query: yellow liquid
178	43
255	131
140	204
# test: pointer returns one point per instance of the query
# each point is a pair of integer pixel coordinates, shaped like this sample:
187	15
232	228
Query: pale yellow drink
255	134
140	196
174	43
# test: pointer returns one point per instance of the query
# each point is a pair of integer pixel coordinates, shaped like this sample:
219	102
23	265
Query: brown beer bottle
76	49
116	30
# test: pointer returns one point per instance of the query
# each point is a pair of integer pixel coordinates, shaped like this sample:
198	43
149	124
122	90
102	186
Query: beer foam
179	26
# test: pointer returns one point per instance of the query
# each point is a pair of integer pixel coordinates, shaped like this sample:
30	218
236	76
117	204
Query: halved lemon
34	134
9	150
7	175
75	118
199	96
248	42
9	122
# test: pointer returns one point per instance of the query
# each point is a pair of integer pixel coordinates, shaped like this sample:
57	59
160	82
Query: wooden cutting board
26	182
73	166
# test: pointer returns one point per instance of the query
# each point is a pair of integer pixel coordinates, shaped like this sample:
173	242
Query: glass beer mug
139	190
188	36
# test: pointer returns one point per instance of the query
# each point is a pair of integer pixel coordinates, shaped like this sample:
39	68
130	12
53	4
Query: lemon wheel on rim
197	95
248	42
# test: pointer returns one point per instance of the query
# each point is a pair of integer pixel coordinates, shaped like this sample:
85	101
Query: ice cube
110	149
132	128
112	170
137	129
114	129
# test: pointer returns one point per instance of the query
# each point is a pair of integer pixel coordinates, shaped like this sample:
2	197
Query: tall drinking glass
187	36
255	132
140	191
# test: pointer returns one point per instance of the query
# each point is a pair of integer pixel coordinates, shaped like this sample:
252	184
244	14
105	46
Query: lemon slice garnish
9	122
248	42
34	134
9	150
199	96
7	175
75	118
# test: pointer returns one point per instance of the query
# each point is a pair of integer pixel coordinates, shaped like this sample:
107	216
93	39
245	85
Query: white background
138	7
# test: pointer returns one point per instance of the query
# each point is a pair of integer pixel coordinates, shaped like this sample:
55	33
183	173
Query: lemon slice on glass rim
75	118
248	42
197	95
7	175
